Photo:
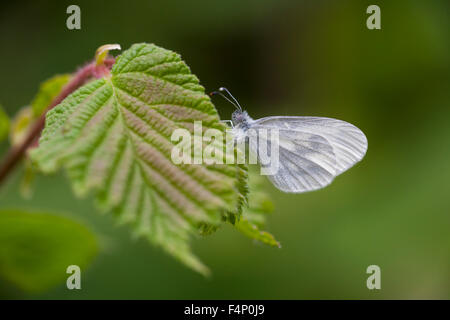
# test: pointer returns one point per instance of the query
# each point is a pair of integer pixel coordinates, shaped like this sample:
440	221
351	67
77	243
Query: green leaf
20	125
4	125
47	92
252	231
254	215
25	118
113	136
26	188
37	248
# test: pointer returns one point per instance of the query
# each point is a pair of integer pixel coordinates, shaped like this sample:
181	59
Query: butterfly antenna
237	106
229	93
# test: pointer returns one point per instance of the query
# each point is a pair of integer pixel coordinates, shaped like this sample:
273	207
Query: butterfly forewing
306	161
348	142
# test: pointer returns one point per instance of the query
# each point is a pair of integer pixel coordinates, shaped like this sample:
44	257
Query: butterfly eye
236	116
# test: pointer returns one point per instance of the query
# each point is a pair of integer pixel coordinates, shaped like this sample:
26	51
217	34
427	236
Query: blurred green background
278	58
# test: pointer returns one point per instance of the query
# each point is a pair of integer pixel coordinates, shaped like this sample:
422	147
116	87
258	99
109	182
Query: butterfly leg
229	122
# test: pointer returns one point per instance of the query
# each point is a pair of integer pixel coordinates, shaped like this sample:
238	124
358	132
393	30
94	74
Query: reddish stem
16	153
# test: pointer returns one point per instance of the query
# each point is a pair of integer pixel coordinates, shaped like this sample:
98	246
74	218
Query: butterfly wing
349	143
306	161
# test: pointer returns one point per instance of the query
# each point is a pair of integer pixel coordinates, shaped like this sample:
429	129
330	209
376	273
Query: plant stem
15	154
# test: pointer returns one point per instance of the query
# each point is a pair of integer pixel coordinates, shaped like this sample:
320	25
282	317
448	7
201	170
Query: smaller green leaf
102	52
24	119
254	215
20	125
48	90
37	248
27	181
4	124
252	231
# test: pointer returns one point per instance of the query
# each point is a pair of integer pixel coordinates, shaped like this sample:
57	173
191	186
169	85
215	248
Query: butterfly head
240	118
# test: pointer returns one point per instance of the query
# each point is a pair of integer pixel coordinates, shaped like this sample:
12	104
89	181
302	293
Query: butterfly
311	151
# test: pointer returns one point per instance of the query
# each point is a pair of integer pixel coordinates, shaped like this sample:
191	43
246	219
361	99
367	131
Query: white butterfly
312	150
